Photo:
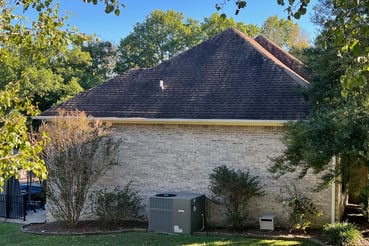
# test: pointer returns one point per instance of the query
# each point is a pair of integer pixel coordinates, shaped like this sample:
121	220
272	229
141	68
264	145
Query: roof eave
214	122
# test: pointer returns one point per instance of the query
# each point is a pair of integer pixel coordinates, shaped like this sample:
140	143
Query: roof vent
162	84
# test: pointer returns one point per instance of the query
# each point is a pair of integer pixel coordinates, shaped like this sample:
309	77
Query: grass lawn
10	234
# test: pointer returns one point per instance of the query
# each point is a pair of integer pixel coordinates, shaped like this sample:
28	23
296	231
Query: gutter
212	122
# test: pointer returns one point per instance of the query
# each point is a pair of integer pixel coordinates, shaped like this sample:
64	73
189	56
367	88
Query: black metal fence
12	206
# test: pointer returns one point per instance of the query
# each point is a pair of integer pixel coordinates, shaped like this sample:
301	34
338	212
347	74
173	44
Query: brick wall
160	158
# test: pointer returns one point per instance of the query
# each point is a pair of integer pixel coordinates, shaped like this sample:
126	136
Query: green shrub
119	204
300	207
342	234
235	188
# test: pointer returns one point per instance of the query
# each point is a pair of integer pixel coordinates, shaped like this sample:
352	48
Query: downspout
333	202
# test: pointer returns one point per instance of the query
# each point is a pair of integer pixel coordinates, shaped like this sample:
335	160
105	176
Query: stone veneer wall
161	158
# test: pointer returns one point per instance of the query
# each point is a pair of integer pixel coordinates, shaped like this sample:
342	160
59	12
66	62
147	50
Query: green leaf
302	10
241	4
356	50
109	8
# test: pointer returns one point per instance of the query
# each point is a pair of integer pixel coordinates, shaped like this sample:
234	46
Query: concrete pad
32	217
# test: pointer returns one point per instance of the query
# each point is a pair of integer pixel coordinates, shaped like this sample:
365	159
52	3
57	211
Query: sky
91	19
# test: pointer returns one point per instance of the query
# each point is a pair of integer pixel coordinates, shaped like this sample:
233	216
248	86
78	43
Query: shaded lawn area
11	234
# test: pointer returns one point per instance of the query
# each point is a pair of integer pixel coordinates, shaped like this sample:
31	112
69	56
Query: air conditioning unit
181	213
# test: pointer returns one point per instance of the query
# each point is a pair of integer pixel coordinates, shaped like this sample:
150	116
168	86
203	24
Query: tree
338	124
347	25
26	51
43	55
215	24
79	151
161	36
18	147
165	34
285	33
104	57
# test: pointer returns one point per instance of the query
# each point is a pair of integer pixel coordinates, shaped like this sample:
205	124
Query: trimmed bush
342	234
235	188
119	204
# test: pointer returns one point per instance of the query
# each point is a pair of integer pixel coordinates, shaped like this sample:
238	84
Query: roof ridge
301	80
183	53
286	58
265	39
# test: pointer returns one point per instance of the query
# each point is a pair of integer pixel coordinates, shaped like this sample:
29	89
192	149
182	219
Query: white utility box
267	222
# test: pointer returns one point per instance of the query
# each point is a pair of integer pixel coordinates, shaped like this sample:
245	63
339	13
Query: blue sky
91	19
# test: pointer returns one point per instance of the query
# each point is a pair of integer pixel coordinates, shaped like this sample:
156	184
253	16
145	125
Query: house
224	102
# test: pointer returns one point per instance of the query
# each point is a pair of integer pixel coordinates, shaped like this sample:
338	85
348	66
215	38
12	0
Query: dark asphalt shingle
230	76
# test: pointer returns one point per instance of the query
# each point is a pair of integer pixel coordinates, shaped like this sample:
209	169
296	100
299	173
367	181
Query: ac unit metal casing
174	212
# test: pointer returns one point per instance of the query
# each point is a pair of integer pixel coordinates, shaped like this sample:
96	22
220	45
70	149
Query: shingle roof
230	76
286	58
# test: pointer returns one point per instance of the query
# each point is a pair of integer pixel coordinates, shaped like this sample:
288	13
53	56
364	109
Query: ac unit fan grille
161	220
159	203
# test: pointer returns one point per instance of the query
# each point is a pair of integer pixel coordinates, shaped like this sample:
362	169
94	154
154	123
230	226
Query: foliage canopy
165	34
338	124
284	33
19	149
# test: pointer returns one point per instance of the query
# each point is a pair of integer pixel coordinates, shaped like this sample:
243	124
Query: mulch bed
99	227
85	227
